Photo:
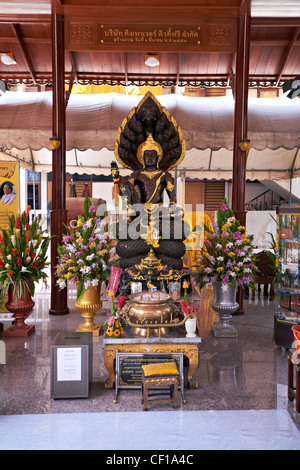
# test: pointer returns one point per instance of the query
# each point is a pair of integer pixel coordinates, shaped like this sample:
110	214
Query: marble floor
240	403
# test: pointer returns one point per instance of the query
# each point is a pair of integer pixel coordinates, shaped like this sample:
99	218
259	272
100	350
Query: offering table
175	342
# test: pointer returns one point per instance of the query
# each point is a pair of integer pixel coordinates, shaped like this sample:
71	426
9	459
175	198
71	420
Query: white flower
95	282
90	257
7	265
13	240
9	257
71	248
224	287
87	284
61	283
85	269
220	258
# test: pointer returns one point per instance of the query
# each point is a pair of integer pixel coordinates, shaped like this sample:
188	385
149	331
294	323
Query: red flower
27	251
28	210
27	236
33	255
19	261
14	250
27	226
10	274
34	265
2	264
18	222
1	240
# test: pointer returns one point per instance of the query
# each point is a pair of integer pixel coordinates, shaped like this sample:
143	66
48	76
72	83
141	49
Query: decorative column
241	128
59	304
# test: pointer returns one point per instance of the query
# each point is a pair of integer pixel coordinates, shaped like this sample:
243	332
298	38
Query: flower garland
227	254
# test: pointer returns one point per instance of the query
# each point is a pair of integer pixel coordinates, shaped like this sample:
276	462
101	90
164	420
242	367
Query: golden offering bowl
151	313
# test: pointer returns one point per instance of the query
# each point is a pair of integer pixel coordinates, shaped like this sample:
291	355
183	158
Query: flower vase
190	326
224	303
89	304
19	303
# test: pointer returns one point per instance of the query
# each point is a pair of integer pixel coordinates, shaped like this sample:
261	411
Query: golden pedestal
136	344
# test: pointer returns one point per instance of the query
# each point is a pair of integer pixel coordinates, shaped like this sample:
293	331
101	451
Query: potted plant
23	260
226	260
85	257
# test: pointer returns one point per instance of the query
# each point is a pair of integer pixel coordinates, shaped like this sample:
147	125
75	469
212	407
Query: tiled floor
241	399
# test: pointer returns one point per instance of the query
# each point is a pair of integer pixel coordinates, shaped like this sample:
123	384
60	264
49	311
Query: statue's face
150	158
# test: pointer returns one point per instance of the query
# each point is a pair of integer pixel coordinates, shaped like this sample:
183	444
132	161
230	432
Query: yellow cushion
164	368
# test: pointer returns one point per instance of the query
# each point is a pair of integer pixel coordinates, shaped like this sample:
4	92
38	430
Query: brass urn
150	311
89	304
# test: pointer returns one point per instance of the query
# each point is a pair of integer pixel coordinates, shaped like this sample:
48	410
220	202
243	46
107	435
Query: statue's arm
170	188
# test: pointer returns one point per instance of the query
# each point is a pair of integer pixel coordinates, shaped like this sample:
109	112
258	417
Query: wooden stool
294	392
160	376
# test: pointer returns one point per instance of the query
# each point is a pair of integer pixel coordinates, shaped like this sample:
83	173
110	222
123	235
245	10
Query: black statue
150	143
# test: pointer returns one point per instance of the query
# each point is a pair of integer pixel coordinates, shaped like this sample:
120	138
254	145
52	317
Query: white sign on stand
68	364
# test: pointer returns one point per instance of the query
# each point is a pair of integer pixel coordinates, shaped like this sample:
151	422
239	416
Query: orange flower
10	274
28	210
14	250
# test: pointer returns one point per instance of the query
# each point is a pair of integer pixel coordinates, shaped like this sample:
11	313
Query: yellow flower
92	245
80	240
79	222
101	252
117	332
18	234
109	331
111	294
236	268
220	269
69	261
72	268
231	253
241	227
69	275
117	324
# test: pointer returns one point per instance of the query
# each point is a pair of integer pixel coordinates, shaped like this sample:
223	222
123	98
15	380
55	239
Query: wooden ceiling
25	31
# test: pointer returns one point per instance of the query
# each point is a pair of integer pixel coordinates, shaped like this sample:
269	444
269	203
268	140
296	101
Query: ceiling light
152	60
7	58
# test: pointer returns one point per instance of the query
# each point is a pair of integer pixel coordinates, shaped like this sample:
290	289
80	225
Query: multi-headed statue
150	143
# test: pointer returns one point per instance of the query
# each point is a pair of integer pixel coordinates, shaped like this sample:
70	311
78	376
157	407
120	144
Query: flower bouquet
23	254
227	254
86	253
115	326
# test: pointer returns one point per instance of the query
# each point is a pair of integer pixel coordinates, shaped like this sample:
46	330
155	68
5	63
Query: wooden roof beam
287	54
25	55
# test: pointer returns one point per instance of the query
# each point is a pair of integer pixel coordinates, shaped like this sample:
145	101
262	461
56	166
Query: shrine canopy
92	122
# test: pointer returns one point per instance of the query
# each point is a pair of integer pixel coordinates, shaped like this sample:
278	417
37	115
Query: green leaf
87	205
80	289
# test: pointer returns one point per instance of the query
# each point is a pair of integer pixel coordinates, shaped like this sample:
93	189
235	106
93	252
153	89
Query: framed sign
129	368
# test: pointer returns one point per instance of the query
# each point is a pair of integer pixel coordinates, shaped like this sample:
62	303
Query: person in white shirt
9	196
